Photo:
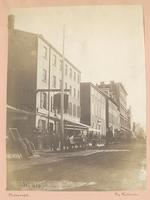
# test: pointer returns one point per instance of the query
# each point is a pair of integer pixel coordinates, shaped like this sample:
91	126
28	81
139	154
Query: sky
104	42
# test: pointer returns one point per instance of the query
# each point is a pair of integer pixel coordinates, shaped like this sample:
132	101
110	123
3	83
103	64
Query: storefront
96	136
22	120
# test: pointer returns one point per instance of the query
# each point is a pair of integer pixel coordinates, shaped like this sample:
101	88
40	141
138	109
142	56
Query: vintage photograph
76	99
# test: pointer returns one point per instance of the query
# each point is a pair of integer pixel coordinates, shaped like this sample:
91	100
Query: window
60	84
78	111
66	69
51	126
60	66
51	104
74	110
78	94
70	90
70	73
44	75
74	76
74	93
54	82
93	125
54	60
78	78
65	85
41	124
45	52
70	108
43	100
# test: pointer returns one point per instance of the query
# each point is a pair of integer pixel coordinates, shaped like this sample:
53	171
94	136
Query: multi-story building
35	67
129	119
93	108
118	93
51	78
138	131
112	115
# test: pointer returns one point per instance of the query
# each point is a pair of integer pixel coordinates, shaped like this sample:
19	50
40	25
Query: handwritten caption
125	194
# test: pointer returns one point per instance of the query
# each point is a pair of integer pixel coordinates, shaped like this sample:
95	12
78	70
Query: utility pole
62	90
49	90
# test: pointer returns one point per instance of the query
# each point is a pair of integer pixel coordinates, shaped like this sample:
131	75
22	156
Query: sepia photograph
76	99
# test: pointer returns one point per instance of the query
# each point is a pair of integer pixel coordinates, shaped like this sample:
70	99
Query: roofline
118	83
123	88
49	44
95	87
100	91
108	97
113	102
26	32
18	110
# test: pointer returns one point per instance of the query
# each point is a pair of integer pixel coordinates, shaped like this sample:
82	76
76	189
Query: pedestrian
84	138
71	139
111	134
36	133
107	136
50	141
54	146
67	142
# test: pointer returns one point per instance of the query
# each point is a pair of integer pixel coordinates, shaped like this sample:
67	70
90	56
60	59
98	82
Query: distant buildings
138	131
118	93
93	108
129	119
112	115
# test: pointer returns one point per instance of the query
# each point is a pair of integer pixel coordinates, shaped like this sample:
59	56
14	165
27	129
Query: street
116	167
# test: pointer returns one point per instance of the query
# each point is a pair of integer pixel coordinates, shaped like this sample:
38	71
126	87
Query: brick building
93	108
118	93
34	64
112	115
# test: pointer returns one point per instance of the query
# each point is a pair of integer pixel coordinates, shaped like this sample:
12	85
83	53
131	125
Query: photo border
5	5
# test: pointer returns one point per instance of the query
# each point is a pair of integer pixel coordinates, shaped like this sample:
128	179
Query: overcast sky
105	42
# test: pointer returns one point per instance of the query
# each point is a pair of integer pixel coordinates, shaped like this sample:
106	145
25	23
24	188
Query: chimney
11	22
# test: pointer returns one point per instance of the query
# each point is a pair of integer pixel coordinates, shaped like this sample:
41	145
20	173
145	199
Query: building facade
34	69
112	115
49	76
118	93
129	121
93	108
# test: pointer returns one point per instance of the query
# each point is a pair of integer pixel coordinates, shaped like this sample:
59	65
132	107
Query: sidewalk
41	158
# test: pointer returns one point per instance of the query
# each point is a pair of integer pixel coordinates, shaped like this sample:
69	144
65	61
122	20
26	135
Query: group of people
72	141
44	139
54	141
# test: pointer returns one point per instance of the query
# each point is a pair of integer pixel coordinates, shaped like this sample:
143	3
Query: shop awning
17	110
94	130
68	125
